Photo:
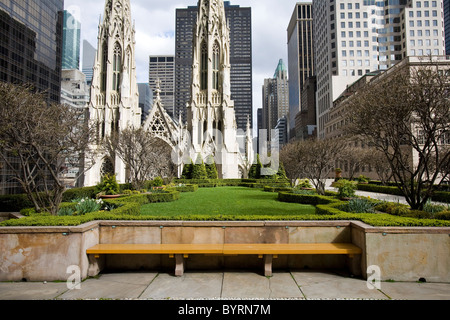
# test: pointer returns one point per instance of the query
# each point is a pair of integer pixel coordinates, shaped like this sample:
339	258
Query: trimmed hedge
14	203
306	198
186	188
439	196
380	189
277	189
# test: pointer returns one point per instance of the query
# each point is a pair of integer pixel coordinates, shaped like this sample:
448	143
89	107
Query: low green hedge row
328	208
439	196
250	183
126	208
306	198
277	189
185	188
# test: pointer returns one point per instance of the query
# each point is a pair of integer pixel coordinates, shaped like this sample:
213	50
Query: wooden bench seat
266	251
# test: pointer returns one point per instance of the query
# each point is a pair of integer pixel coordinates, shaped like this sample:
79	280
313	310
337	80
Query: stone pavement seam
298	286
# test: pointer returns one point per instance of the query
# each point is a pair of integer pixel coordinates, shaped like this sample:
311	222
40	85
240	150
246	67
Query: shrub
396	209
78	193
87	205
346	188
433	208
359	205
303	183
108	185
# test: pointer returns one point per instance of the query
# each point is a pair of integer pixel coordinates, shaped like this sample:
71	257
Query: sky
155	32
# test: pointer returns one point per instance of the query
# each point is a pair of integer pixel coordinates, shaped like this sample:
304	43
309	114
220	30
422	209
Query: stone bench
264	251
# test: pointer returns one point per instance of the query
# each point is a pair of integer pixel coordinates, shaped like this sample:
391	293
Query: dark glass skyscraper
31	44
240	22
31	34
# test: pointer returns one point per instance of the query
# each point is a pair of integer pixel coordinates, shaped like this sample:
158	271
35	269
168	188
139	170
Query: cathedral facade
211	114
211	129
114	101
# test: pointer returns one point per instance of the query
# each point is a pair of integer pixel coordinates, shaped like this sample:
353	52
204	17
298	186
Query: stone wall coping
224	224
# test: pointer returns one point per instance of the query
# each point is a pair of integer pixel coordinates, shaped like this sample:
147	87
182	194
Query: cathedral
211	128
114	99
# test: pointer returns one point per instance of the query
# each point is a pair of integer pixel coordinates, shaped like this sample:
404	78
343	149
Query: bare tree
405	114
380	165
145	156
312	159
43	138
355	158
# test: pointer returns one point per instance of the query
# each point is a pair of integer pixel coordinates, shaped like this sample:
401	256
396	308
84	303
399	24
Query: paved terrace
301	285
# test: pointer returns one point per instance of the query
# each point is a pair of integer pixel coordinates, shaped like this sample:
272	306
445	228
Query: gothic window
204	67
117	66
215	67
104	67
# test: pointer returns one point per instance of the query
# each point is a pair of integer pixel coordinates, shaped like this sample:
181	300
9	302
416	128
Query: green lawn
227	202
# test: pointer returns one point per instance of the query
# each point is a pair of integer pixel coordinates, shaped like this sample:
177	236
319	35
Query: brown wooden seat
266	251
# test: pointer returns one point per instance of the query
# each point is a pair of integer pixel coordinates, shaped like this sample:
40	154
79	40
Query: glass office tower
31	34
71	42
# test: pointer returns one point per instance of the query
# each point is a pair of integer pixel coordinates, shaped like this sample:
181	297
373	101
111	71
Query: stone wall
403	254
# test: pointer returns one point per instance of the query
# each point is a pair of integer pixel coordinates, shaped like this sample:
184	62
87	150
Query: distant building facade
356	37
275	94
89	53
300	58
162	68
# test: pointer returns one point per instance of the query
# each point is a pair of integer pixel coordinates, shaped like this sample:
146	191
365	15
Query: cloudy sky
155	31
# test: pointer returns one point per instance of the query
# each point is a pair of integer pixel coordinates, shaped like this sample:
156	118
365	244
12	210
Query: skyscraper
89	53
301	58
31	44
162	68
355	37
71	42
31	35
240	57
275	99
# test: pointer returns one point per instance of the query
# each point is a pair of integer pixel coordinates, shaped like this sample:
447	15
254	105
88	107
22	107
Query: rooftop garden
225	200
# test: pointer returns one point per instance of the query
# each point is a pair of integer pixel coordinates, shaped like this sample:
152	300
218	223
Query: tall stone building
211	112
114	100
356	37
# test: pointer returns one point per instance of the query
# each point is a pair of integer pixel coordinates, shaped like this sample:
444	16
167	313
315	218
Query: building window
204	67
117	65
215	66
104	67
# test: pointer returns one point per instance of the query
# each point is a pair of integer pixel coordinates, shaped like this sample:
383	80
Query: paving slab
252	285
323	285
112	286
416	291
31	290
189	286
